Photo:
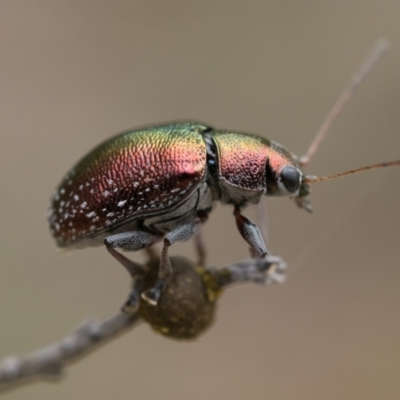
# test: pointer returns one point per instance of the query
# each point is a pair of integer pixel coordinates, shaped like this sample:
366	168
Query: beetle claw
130	307
152	295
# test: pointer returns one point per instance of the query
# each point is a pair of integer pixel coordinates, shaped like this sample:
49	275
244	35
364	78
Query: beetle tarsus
132	304
152	295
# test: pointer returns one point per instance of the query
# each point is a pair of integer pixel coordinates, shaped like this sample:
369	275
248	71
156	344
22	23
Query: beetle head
285	177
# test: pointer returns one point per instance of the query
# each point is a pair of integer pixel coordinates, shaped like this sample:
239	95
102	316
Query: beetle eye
290	177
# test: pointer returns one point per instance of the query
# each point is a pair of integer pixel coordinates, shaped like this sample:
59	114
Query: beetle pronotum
158	183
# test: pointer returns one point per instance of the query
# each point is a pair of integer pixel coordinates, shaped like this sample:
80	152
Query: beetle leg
151	253
199	241
180	234
250	233
263	218
200	249
135	270
132	304
130	241
134	240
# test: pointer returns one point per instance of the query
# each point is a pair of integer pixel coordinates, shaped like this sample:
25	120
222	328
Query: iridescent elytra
158	183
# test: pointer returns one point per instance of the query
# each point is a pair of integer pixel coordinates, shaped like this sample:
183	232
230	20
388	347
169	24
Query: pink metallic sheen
277	160
242	159
142	172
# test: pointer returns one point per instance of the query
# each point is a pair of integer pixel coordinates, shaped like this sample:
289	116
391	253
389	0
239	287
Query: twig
51	360
267	271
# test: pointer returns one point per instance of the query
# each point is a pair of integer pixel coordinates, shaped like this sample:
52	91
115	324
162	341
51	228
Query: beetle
158	183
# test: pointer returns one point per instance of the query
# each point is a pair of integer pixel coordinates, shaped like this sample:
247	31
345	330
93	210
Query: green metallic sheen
139	172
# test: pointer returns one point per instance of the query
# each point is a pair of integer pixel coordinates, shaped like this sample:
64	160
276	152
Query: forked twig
50	361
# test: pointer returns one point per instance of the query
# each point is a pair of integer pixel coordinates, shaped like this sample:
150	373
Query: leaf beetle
158	183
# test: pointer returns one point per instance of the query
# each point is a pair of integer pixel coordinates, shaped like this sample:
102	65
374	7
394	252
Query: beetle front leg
250	233
180	234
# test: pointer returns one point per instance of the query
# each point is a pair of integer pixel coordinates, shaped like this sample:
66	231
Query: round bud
187	301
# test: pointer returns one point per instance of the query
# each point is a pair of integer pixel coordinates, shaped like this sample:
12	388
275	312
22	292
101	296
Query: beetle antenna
367	66
310	179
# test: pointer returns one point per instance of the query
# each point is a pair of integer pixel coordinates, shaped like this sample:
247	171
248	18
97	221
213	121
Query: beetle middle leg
200	249
179	234
134	240
250	233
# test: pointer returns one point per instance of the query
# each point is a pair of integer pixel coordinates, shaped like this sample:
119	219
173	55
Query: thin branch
271	269
50	361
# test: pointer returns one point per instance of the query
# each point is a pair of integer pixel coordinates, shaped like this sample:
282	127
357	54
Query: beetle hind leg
135	270
135	240
180	234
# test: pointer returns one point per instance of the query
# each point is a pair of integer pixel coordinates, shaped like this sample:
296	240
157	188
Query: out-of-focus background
73	73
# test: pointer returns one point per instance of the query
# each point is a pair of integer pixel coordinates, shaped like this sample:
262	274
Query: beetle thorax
241	166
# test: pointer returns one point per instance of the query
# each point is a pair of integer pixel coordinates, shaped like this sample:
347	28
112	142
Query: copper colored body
159	183
151	171
137	173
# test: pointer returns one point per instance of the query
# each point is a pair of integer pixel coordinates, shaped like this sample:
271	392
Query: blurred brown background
74	72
